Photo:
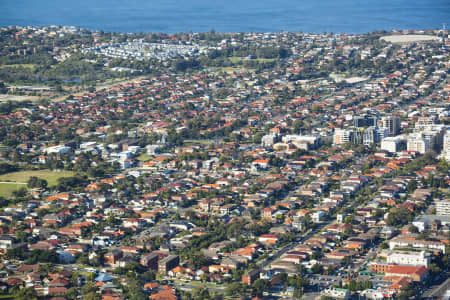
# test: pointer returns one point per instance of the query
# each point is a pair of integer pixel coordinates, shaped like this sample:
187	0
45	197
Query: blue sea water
170	16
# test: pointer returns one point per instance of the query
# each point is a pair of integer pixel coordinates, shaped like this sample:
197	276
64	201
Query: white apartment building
418	144
424	121
342	136
443	207
446	146
433	133
418	244
409	258
392	144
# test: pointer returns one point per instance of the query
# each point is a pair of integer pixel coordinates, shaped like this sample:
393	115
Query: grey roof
429	218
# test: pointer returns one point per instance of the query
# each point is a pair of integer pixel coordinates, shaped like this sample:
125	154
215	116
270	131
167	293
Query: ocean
171	16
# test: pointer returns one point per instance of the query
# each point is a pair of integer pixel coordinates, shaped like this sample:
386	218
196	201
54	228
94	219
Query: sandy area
4	97
410	38
351	80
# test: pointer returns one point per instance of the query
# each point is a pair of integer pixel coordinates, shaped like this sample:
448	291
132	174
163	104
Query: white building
134	149
88	145
336	293
318	216
424	121
305	142
399	242
342	136
421	224
443	207
446	146
434	134
373	135
340	218
377	294
153	149
409	258
61	150
418	144
268	140
392	144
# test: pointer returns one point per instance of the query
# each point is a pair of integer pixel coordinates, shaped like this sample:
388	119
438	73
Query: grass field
26	66
6	189
23	176
233	69
204	142
144	157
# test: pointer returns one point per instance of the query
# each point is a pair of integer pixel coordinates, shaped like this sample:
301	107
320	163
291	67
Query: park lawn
6	189
265	59
235	59
233	69
26	66
144	157
23	176
204	142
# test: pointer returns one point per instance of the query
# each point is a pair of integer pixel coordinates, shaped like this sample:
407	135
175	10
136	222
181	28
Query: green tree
35	182
367	285
42	256
434	269
198	260
3	88
25	294
260	286
89	288
16	253
236	288
92	296
399	216
90	276
443	166
413	229
149	276
384	246
72	293
411	186
353	285
200	293
407	292
317	269
20	193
